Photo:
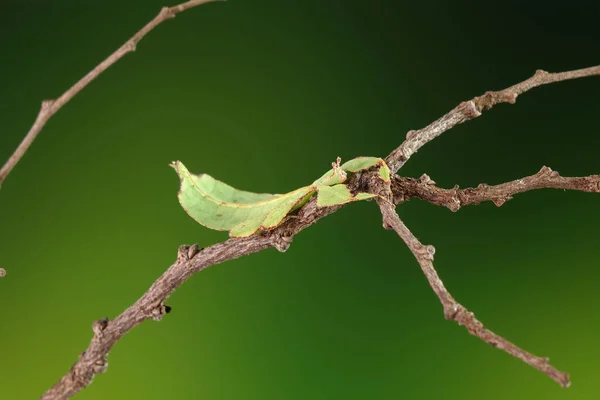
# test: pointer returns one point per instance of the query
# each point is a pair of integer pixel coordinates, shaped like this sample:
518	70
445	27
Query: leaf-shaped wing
219	206
360	163
338	194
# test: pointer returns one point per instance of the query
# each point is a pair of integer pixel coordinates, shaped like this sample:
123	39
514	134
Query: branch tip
473	108
454	310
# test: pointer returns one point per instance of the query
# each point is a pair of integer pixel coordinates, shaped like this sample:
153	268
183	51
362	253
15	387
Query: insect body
219	206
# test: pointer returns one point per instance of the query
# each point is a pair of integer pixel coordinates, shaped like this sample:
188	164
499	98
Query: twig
452	309
50	107
150	306
468	110
190	260
424	188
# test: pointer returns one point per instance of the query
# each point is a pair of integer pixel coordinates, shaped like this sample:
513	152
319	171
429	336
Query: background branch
467	110
50	107
424	188
452	309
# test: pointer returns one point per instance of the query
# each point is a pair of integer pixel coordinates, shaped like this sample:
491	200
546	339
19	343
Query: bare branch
468	110
424	188
190	260
452	309
50	107
151	305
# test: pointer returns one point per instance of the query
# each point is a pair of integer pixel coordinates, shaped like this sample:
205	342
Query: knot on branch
456	312
281	242
187	252
426	180
499	201
46	104
454	201
411	134
468	110
451	309
166	12
463	317
548	172
489	99
426	252
130	46
160	311
100	365
99	326
399	196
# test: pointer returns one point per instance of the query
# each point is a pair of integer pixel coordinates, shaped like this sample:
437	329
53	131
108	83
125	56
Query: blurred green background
264	95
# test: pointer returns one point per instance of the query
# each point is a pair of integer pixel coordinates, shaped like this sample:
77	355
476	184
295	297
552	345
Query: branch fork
192	259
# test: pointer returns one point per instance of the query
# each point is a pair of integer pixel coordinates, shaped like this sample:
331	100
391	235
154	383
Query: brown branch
452	309
471	109
50	107
424	188
151	305
191	260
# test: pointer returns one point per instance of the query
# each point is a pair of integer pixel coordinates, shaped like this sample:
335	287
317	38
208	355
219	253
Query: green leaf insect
221	207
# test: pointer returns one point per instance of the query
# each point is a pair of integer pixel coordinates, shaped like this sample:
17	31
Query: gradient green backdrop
264	95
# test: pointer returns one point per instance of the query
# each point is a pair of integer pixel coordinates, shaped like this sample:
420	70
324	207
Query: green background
264	95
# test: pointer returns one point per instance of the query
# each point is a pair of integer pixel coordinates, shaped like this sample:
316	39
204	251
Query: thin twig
424	188
150	306
50	107
452	309
190	260
471	109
